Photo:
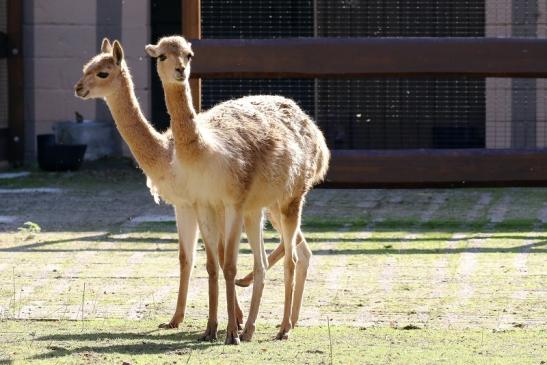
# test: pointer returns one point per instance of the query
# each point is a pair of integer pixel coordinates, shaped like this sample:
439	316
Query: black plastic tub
59	157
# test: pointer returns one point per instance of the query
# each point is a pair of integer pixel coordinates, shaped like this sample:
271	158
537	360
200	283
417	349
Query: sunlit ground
420	276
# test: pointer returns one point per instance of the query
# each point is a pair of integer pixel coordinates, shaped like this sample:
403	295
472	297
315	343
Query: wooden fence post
191	29
16	124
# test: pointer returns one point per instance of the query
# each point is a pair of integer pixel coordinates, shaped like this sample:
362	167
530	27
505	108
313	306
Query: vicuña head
174	54
102	73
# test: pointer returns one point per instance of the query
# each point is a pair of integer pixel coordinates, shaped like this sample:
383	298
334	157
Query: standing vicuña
237	158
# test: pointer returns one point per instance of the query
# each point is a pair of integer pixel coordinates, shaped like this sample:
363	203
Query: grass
462	284
137	342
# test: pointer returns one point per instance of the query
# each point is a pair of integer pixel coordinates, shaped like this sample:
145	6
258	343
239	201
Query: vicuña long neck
186	133
148	146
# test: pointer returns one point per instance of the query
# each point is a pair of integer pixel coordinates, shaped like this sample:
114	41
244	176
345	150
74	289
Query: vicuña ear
106	47
117	52
151	50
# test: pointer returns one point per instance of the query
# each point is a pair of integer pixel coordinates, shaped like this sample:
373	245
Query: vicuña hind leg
187	228
253	227
273	258
304	254
290	222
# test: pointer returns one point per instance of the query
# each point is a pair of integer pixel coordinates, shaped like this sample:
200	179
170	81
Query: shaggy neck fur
147	145
186	134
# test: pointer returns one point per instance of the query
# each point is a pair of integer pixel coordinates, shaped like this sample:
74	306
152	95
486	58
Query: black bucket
59	157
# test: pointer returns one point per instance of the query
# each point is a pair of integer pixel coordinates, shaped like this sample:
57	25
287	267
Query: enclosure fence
412	94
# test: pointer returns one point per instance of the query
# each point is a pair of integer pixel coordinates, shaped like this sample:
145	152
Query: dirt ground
100	248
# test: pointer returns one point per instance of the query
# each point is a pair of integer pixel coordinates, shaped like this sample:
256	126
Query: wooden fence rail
437	168
370	57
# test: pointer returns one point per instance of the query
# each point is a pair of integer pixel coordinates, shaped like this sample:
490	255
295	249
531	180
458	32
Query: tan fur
243	155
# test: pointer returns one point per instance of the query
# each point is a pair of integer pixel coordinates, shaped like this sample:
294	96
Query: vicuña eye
162	57
102	75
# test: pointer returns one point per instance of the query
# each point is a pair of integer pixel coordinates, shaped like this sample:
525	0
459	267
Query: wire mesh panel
401	113
258	19
363	114
399	18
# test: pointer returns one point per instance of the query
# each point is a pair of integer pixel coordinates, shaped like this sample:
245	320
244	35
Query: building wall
516	111
60	36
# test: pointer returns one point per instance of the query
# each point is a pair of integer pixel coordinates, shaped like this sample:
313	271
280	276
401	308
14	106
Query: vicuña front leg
253	227
187	228
209	227
234	220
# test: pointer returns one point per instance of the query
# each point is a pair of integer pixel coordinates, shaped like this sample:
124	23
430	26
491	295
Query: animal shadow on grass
534	247
144	343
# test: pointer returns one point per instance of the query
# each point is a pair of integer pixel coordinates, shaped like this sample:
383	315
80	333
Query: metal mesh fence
400	18
258	19
359	113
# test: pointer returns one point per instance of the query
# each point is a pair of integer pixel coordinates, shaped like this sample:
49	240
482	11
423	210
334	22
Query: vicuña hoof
248	333
169	326
232	337
283	333
245	282
210	333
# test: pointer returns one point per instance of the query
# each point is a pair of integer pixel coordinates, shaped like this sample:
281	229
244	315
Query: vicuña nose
78	87
180	70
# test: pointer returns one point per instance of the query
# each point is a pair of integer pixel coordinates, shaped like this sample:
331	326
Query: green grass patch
138	342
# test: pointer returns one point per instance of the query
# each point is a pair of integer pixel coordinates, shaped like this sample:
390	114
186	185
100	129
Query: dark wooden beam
16	123
370	57
191	29
3	45
4	142
437	168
